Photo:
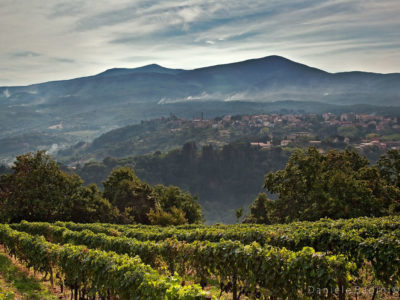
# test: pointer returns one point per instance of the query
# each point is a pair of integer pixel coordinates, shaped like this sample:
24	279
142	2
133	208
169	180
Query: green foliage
159	205
222	178
6	295
160	217
261	210
88	205
114	179
238	214
37	190
249	268
164	134
389	167
390	137
127	192
251	259
335	185
96	272
173	198
4	170
350	132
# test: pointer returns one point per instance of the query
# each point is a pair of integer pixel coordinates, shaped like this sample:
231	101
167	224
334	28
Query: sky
44	40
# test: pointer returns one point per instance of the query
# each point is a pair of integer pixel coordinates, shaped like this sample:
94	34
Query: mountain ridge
89	106
270	78
266	79
172	70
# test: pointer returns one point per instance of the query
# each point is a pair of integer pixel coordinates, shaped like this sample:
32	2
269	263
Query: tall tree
37	190
389	167
88	205
126	191
261	210
171	197
336	185
165	204
238	214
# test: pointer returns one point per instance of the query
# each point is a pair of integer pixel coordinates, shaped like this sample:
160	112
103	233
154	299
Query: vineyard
342	259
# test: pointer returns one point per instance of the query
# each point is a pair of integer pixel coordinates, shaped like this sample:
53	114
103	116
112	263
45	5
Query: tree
160	217
170	197
389	169
238	214
189	151
223	178
114	179
88	205
4	170
335	184
261	210
148	204
129	194
37	190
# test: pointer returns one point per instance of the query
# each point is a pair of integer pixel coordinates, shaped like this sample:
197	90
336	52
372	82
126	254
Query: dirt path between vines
26	284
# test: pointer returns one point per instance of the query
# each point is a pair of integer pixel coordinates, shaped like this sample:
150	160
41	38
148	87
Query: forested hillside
224	179
369	132
163	134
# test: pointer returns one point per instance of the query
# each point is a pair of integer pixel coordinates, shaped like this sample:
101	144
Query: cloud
24	54
63	60
88	36
66	9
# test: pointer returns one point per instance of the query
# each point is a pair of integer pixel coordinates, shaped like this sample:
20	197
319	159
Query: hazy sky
42	40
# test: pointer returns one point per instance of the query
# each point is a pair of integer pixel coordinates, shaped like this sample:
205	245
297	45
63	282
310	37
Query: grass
18	281
5	292
391	137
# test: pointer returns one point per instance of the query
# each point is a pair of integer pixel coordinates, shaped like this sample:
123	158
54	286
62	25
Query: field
342	259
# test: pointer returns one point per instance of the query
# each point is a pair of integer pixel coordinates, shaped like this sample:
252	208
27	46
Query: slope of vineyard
286	261
95	272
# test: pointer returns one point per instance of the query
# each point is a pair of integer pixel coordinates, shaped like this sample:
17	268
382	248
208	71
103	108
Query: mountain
83	108
153	68
272	78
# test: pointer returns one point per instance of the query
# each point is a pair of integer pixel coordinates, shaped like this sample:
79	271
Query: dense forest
163	134
224	179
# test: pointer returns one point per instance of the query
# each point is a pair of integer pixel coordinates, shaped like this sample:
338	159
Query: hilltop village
296	130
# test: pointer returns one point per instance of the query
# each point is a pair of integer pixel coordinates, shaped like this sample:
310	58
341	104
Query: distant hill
153	68
165	134
83	108
272	78
162	134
